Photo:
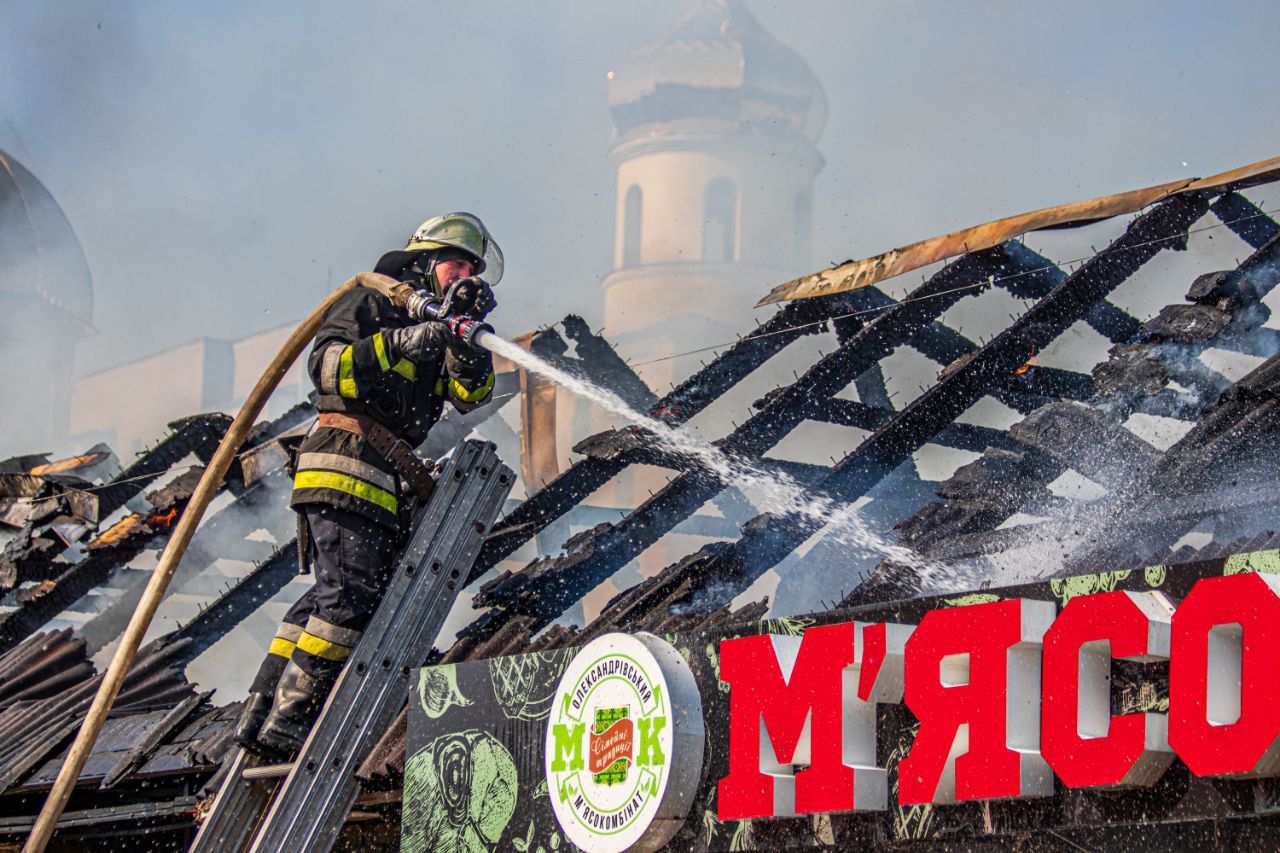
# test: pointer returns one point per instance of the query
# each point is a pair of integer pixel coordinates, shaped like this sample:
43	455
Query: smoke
225	161
226	164
227	546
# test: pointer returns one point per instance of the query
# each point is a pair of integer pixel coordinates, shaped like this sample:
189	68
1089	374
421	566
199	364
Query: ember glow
162	522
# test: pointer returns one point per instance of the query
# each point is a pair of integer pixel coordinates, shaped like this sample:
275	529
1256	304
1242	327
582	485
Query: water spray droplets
774	491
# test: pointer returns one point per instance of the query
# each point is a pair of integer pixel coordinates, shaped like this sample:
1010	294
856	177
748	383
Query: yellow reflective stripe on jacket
282	647
380	347
322	648
404	367
345	483
312	460
440	387
346	374
459	391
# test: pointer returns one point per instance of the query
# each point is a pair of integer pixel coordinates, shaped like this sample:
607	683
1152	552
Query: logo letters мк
973	677
568	741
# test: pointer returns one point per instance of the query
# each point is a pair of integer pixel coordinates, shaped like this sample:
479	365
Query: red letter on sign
973	681
876	677
1082	742
1224	678
795	686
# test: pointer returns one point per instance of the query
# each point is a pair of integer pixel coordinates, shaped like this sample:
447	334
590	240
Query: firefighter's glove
468	297
420	344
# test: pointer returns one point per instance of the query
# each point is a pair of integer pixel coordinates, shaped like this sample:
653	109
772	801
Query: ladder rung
267	771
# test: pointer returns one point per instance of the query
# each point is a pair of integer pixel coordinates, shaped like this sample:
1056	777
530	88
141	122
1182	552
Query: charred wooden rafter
31	556
1133	380
238	603
1246	220
547	587
688	399
769	540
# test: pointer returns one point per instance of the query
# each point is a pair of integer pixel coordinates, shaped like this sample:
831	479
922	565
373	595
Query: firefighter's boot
299	698
252	715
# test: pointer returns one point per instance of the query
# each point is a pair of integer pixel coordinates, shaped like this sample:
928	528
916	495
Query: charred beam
1248	221
199	434
871	388
547	587
238	603
957	435
1020	392
797	319
601	364
1164	226
1113	323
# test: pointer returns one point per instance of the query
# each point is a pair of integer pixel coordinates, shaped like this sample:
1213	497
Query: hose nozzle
467	329
422	306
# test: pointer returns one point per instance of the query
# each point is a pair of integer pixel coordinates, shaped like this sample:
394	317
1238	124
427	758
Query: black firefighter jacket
350	366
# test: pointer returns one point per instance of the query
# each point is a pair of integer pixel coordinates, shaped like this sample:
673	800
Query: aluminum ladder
306	803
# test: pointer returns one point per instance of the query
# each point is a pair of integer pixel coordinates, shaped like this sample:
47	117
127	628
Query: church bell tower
715	155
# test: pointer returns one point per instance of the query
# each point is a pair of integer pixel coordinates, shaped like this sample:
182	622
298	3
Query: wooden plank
855	274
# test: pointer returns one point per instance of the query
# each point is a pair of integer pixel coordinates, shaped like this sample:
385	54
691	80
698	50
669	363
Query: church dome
39	253
718	68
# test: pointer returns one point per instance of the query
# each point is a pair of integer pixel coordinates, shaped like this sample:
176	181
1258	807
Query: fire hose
471	331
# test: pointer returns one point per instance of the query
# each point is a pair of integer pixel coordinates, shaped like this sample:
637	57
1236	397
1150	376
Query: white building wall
128	406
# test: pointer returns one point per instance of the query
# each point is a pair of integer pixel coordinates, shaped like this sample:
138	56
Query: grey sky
225	163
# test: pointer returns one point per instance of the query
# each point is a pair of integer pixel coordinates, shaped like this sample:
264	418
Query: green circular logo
626	714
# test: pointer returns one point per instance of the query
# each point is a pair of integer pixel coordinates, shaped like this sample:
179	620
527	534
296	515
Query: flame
162	521
130	524
1030	363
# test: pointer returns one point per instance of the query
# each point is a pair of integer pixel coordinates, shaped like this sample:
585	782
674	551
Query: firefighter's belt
396	451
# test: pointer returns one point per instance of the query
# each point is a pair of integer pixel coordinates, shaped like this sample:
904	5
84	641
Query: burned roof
1204	490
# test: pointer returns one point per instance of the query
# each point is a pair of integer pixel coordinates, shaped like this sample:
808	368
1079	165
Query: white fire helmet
465	232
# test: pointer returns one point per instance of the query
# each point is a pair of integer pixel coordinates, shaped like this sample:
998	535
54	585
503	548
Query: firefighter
384	374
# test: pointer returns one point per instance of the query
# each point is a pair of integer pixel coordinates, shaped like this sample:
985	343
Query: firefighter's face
447	272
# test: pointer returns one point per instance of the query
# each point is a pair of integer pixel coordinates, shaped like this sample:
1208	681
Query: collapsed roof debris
1214	477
